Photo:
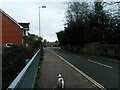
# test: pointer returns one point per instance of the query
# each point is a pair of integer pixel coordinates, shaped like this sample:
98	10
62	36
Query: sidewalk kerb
82	73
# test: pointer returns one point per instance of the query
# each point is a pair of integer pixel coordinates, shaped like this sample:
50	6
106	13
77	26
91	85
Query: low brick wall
96	49
109	50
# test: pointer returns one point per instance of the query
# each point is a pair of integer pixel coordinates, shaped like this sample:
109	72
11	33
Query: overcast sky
52	18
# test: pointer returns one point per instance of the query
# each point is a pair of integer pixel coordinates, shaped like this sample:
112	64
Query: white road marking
100	64
81	72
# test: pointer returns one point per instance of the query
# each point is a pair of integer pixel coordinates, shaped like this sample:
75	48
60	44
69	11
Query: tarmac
51	66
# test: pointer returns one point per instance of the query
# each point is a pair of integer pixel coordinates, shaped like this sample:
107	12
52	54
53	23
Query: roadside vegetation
14	58
89	23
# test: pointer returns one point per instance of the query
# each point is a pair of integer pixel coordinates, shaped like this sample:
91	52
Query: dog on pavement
60	82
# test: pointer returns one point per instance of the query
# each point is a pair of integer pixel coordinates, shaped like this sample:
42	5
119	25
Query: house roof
25	25
11	18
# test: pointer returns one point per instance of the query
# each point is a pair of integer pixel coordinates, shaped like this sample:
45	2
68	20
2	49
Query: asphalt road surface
102	70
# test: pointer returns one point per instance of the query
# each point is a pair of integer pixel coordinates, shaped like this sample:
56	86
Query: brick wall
11	33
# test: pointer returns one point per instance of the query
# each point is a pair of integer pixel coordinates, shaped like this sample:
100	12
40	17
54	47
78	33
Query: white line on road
82	73
100	63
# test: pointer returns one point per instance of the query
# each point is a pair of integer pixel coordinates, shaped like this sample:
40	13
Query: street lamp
39	18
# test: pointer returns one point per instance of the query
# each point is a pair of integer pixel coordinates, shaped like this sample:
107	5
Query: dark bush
13	61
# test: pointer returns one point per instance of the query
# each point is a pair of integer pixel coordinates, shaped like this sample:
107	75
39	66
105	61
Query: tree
112	34
60	36
76	17
33	40
86	23
100	21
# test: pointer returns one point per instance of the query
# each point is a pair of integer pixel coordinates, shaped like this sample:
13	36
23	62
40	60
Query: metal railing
26	78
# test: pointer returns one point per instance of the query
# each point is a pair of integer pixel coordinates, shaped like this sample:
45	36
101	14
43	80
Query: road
104	71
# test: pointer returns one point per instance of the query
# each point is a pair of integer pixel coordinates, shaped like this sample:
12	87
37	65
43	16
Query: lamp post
39	27
39	17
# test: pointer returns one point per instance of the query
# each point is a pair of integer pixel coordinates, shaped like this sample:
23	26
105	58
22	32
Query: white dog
60	82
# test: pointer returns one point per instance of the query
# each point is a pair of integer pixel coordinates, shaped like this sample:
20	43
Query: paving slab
51	66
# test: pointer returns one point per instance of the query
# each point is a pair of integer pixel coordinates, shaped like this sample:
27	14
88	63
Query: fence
26	77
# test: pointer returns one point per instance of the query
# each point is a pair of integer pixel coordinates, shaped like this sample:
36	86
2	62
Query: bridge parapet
26	77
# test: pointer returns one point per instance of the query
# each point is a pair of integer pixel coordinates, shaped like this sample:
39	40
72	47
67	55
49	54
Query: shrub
13	61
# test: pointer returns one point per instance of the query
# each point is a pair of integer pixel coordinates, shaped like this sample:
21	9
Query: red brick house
11	30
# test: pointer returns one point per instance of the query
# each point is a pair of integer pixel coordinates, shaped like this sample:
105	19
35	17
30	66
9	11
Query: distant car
8	45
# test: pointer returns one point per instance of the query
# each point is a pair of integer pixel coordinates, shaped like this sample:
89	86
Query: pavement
51	66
